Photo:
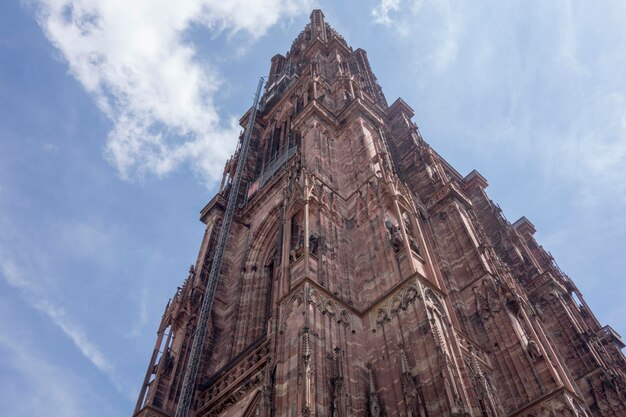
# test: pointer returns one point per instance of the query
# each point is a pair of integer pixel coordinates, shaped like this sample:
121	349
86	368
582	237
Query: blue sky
115	122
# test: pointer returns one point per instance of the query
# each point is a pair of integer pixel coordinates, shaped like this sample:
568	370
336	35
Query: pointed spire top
375	408
337	368
318	26
370	373
317	13
404	362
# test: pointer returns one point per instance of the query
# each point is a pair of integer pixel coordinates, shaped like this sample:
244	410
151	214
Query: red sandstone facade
364	276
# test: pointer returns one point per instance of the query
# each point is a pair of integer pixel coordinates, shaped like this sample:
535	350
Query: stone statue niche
395	236
296	241
408	227
314	241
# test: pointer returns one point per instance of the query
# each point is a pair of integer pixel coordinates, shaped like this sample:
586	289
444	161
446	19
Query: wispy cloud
15	277
88	349
142	72
142	315
8	43
40	384
383	14
436	21
35	381
546	82
90	238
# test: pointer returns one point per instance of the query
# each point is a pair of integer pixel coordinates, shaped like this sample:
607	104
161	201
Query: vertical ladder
191	371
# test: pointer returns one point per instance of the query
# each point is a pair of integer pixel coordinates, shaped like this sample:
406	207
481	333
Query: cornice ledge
399	106
313	110
448	191
360	106
474	179
218	202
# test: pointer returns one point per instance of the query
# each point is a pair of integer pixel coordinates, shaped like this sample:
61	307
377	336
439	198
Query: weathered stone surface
364	276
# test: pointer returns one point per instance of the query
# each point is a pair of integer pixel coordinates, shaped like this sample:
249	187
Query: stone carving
307	372
168	362
409	233
394	303
432	173
608	390
335	211
292	304
329	307
314	240
482	385
413	244
337	404
395	237
296	241
413	397
487	298
268	389
374	407
533	350
230	387
512	303
236	394
560	406
297	249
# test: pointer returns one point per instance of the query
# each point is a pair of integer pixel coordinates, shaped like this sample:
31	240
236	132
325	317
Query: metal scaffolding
191	372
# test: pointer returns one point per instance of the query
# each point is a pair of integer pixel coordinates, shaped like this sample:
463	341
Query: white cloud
134	60
382	13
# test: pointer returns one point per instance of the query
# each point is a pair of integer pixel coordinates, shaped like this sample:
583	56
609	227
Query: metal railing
274	165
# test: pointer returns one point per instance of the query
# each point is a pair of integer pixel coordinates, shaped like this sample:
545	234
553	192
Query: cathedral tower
364	276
